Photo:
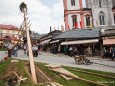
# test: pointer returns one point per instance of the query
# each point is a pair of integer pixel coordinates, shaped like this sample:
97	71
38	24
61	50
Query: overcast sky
42	14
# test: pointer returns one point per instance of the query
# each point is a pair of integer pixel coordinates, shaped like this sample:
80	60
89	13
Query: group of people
109	53
34	50
72	50
54	49
12	49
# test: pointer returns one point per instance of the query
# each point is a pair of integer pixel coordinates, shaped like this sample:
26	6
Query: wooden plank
53	66
14	61
43	74
64	71
93	73
48	79
66	77
76	77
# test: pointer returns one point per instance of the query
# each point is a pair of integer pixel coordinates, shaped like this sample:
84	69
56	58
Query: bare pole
32	65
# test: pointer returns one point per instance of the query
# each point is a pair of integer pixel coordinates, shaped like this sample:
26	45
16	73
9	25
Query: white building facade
98	13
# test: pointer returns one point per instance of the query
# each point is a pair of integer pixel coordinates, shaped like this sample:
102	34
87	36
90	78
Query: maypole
23	9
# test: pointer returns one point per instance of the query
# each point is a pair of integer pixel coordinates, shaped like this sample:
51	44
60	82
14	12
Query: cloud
40	15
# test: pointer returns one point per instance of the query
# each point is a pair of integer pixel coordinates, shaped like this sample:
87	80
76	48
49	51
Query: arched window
74	19
72	2
87	20
100	3
102	18
114	17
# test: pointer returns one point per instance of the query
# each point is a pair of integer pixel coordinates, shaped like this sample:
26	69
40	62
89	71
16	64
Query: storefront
86	41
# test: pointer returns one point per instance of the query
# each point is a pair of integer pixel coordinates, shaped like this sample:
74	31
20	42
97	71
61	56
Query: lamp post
23	9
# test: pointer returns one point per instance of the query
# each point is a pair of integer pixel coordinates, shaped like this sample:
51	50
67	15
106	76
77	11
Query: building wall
88	3
72	10
106	7
113	1
70	20
76	7
11	33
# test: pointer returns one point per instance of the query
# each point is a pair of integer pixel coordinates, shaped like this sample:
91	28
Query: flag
76	25
68	27
81	24
90	25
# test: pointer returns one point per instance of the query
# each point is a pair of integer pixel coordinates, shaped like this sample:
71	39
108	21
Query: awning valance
45	41
80	42
108	41
55	41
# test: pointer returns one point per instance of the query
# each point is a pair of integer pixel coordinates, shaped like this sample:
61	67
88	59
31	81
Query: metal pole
32	66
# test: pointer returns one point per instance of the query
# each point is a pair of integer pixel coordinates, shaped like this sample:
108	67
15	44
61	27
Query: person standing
9	49
36	51
25	49
15	52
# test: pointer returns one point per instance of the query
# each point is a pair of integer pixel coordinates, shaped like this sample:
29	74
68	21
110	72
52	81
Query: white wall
76	7
105	8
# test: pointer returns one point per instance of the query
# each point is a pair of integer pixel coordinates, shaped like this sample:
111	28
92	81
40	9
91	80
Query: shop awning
55	41
45	41
80	42
108	41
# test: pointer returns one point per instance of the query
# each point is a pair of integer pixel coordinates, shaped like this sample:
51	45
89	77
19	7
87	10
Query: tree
23	6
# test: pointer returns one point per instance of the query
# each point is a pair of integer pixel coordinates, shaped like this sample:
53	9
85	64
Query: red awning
108	41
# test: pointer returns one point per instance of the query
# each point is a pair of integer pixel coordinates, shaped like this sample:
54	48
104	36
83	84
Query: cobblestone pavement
61	59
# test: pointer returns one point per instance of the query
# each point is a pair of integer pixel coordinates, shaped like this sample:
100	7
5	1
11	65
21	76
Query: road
65	60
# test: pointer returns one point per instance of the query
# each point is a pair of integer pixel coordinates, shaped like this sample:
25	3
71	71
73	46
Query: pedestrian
9	49
71	51
65	50
110	53
59	49
35	50
113	54
15	51
25	49
104	53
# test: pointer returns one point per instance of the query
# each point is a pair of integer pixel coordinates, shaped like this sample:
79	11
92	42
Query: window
102	18
13	32
87	20
72	2
74	19
114	18
7	31
100	3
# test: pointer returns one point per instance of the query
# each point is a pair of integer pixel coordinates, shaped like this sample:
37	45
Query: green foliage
55	77
99	79
20	70
4	66
22	6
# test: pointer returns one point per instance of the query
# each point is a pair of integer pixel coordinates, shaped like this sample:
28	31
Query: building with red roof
9	33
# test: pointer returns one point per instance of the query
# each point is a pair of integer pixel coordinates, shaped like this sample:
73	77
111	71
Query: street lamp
23	9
